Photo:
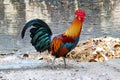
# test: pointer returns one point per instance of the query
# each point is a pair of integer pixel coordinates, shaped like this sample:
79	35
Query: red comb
80	13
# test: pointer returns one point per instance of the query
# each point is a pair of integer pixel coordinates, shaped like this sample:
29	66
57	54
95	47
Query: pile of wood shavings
96	50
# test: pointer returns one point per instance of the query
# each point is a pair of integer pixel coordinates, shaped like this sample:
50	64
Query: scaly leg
53	62
64	61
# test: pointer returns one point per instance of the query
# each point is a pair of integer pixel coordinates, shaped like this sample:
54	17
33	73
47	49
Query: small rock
25	55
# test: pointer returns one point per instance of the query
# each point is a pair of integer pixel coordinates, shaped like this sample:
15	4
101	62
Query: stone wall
102	18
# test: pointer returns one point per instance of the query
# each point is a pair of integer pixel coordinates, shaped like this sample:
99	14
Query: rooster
60	45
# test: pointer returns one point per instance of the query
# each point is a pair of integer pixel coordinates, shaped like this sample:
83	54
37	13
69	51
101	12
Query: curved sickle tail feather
40	34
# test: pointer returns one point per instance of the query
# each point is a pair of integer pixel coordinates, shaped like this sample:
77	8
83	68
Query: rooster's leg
53	62
64	61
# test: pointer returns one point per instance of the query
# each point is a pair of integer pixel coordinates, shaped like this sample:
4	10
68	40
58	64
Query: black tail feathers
40	34
36	23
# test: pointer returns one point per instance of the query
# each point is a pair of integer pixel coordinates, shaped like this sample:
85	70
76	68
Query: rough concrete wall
102	18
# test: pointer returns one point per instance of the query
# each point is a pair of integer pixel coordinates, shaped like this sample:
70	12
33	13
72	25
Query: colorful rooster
60	45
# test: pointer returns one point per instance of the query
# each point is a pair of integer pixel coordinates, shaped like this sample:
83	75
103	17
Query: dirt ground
14	68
